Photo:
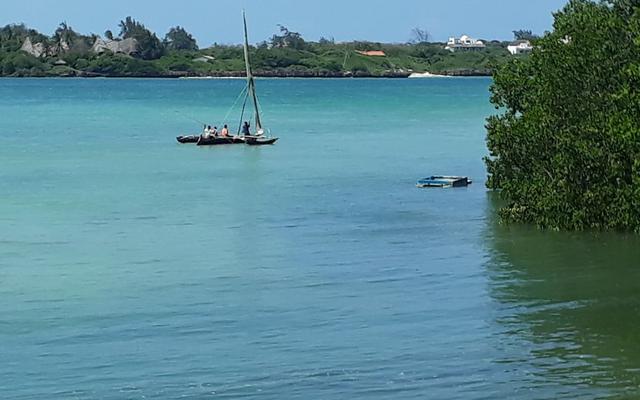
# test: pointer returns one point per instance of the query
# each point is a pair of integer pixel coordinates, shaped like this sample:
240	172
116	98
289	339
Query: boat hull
261	141
219	141
188	139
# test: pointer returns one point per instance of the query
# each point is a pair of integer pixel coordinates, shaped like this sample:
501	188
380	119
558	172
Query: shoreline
268	74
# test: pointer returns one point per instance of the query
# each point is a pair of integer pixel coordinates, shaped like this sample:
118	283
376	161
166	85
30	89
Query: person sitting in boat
246	129
214	132
207	132
225	131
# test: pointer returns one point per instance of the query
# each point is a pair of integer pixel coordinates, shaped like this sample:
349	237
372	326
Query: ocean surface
132	267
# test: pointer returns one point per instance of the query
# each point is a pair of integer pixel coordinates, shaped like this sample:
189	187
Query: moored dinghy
444	182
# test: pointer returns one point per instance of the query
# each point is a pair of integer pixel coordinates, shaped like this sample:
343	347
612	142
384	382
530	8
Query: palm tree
63	38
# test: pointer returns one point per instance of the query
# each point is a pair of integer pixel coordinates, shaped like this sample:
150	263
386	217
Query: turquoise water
132	267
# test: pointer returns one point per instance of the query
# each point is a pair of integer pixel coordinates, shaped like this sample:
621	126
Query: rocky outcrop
42	49
126	46
59	48
36	50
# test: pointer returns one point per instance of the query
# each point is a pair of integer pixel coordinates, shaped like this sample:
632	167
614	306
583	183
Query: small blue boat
444	182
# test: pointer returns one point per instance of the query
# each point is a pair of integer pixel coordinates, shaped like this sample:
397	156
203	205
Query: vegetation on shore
565	150
285	54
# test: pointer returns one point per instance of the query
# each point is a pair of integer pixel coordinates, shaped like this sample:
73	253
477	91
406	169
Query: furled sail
251	85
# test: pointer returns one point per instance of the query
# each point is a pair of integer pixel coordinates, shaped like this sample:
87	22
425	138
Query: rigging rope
190	118
226	117
224	121
244	106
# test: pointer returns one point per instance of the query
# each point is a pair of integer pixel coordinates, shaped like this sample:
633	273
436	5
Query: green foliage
65	40
13	36
287	54
149	46
227	52
23	61
419	35
367	46
483	60
277	58
331	66
565	150
288	39
21	64
175	61
179	39
121	65
429	51
524	35
81	64
130	28
359	67
65	33
8	67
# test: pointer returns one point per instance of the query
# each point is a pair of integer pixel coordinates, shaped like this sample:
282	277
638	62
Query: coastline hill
138	52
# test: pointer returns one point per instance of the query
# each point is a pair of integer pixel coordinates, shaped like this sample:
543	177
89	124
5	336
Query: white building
464	43
520	47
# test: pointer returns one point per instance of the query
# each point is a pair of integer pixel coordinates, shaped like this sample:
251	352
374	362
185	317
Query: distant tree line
524	35
287	52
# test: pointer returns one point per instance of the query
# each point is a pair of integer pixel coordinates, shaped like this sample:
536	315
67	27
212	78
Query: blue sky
219	20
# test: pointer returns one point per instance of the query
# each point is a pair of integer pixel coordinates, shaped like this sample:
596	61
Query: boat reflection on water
570	302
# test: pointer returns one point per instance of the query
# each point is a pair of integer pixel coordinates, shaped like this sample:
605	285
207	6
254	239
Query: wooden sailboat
258	138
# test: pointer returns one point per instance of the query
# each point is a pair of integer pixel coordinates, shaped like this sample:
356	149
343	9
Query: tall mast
251	85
